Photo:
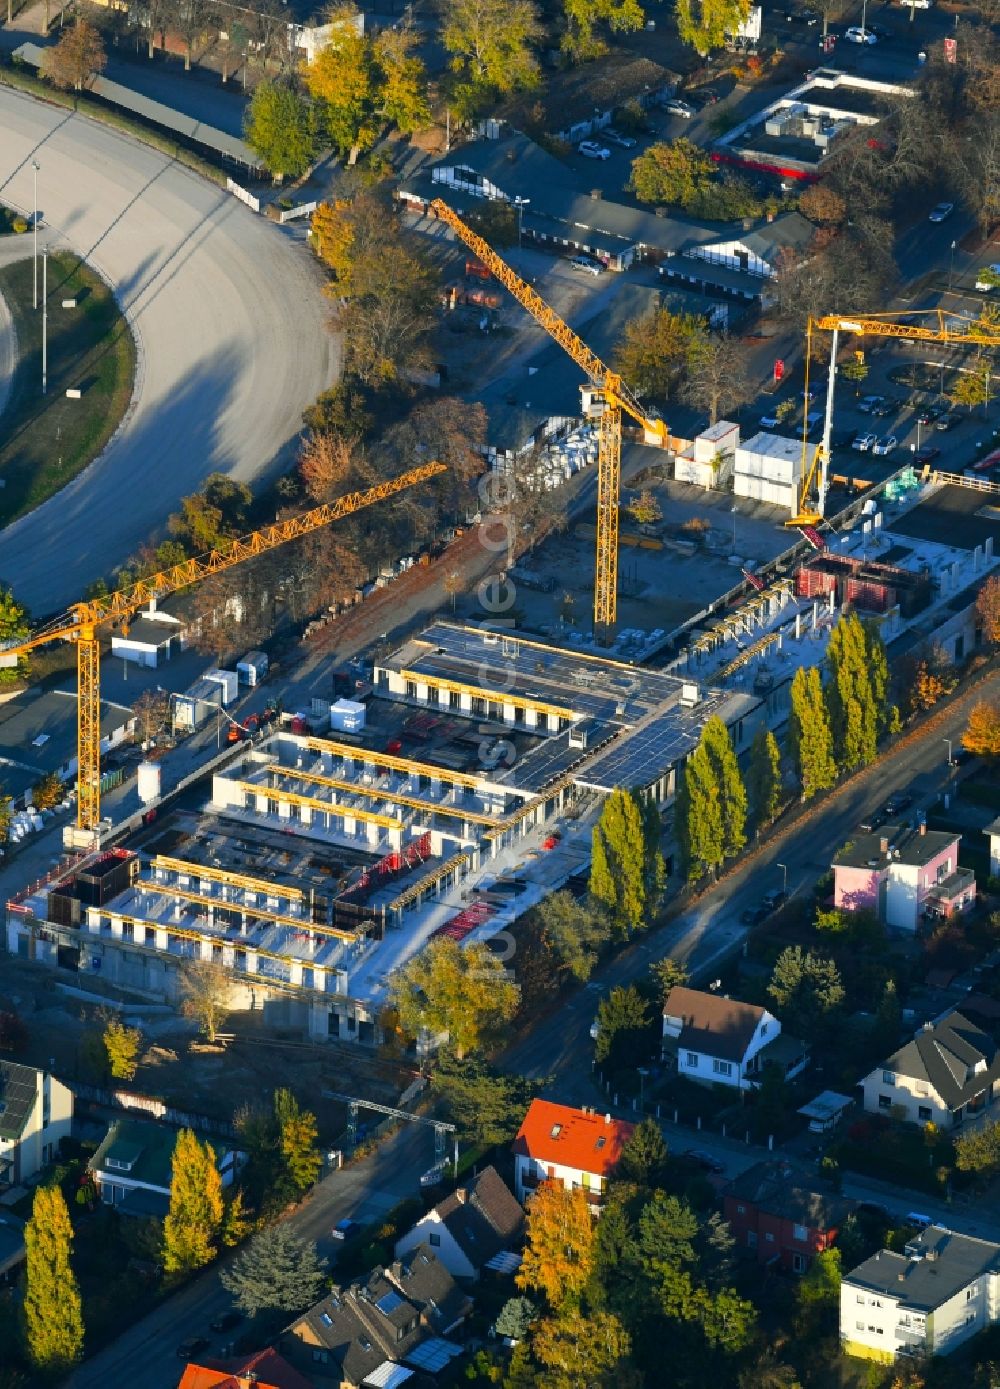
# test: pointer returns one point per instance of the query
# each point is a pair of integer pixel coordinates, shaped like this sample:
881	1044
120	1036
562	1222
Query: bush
19	225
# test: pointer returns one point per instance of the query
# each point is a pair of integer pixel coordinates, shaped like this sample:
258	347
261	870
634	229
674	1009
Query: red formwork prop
459	926
391	866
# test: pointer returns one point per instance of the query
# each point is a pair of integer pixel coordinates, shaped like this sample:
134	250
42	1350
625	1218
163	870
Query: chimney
923	827
461	1195
883	845
607	1118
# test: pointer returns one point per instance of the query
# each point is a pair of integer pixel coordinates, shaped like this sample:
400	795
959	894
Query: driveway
231	329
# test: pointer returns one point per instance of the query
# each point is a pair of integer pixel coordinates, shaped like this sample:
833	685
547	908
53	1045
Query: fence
244	195
150	1105
303	210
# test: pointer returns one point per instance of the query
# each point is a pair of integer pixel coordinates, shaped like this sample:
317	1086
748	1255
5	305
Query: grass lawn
46	440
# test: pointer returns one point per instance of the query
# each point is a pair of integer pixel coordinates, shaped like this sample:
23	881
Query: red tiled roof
271	1370
572	1137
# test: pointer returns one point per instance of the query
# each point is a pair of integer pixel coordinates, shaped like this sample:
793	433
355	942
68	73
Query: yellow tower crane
80	622
940	326
615	397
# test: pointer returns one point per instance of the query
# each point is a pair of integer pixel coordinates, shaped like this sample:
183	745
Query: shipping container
252	669
228	679
347	716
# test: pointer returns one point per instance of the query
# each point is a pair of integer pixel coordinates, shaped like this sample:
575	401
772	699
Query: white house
578	1147
132	1167
758	249
152	636
36	1111
928	1300
470	1227
950	1072
722	1041
992	831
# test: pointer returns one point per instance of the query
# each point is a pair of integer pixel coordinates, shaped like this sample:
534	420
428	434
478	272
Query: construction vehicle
948	327
80	622
612	397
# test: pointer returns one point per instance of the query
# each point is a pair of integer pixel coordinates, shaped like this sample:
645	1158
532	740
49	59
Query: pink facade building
904	875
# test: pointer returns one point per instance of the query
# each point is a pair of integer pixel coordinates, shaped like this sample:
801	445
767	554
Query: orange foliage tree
560	1250
982	736
988	610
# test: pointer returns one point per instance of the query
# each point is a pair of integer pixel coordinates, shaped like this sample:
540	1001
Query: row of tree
674	355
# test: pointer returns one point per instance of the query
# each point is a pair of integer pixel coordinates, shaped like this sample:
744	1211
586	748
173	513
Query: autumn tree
152	713
656	350
453	431
810	734
988	610
53	1320
982	733
821	203
402	91
278	125
489	45
297	1141
580	1349
14	625
931	683
764	777
76	59
122	1045
704	24
205	992
461	991
644	509
486	1105
193	1223
575	931
972	385
278	1270
979	1150
326	465
668	974
804	988
670	172
717	379
236	1220
341	78
627	870
559	1247
582	42
48	791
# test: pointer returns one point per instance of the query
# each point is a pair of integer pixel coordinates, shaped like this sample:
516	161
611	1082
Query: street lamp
784	877
35	166
951	266
643	1073
948	741
520	204
733	510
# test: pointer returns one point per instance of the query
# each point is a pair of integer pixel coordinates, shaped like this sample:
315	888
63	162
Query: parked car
704	1160
948	420
227	1321
624	142
702	96
809	17
927	454
886	445
676	107
871	822
346	1229
930	413
941	212
590	149
867	403
855	34
901	801
587	264
886	407
771	901
864	442
194	1345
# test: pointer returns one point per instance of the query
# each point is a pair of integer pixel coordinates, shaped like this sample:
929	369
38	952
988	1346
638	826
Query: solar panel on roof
388	1302
432	1355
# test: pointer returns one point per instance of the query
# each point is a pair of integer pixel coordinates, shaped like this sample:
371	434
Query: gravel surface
230	326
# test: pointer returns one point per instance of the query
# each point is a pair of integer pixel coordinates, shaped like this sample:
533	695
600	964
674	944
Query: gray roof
789	231
52	718
775	1189
482	1217
18	1088
913	848
574	94
149	632
945	1054
943	1263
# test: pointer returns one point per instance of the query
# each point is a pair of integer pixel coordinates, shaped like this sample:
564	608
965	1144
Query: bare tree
717	380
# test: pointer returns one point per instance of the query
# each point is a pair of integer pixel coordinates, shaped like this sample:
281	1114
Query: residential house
132	1166
904	875
948	1073
722	1041
470	1227
929	1300
382	1331
36	1113
774	1213
578	1147
154	635
992	831
264	1369
753	249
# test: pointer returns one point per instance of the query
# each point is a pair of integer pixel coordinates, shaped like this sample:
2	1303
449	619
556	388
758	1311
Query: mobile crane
615	397
80	622
948	327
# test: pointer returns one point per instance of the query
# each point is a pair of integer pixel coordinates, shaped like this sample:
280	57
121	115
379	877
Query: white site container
229	681
347	716
760	489
253	667
722	437
149	782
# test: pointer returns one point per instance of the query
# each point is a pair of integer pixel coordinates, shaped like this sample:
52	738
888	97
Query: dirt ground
177	1067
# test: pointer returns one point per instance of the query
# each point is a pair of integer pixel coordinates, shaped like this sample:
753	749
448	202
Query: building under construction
321	861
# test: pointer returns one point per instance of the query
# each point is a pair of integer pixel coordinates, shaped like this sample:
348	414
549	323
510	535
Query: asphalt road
231	326
145	1357
710	932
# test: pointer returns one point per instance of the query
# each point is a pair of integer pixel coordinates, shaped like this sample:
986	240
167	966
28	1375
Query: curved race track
230	325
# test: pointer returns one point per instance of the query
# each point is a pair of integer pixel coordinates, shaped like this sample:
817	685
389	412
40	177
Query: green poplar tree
193	1223
810	734
700	824
764	777
626	871
732	792
53	1320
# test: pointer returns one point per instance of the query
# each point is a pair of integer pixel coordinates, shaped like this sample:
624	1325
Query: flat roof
952	515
